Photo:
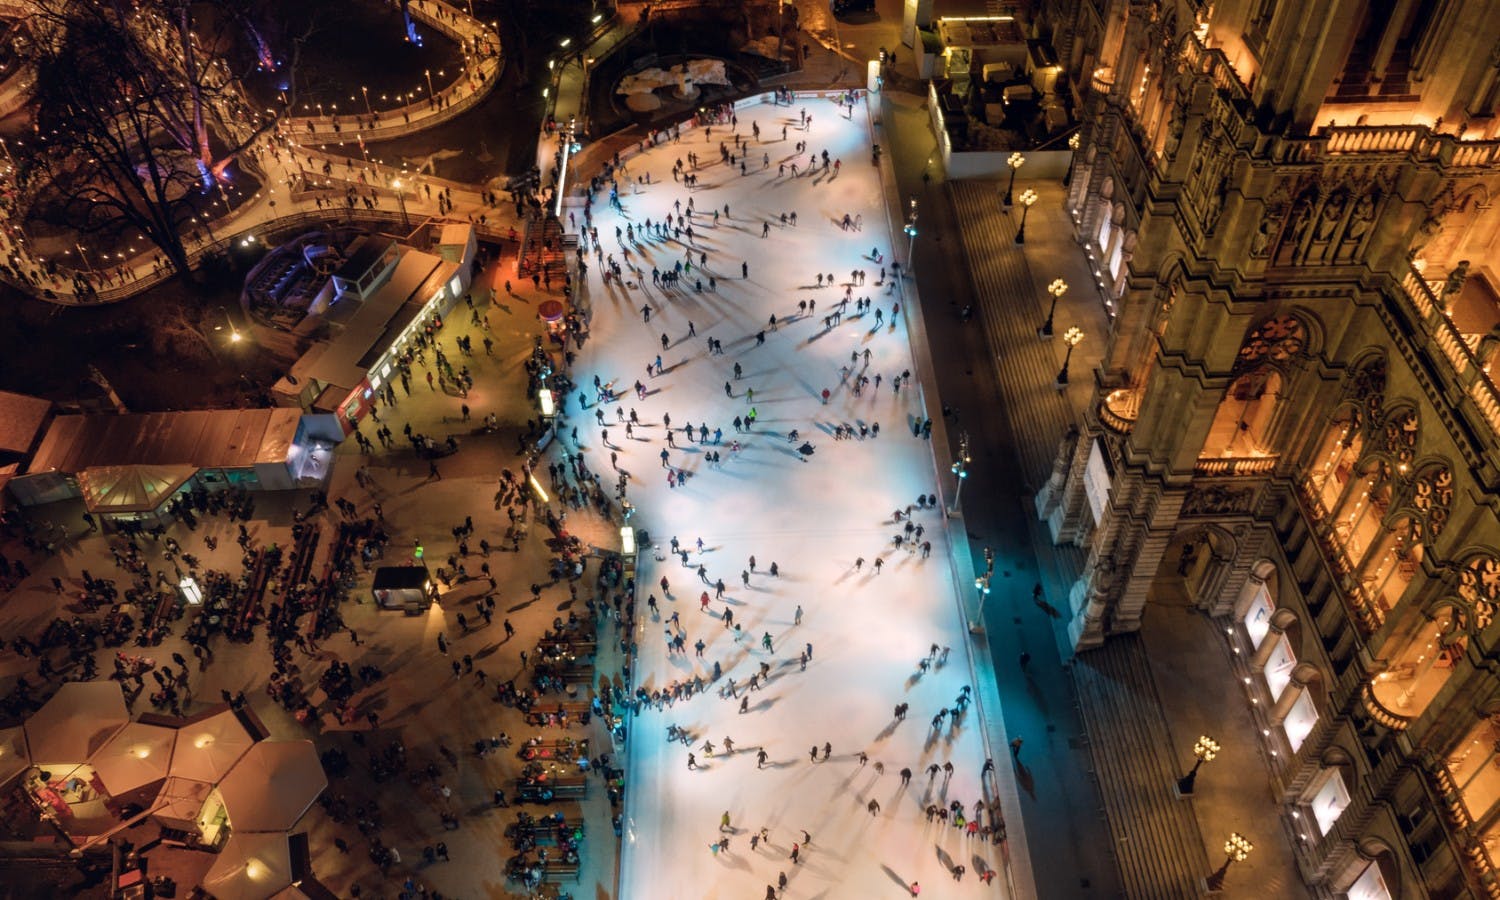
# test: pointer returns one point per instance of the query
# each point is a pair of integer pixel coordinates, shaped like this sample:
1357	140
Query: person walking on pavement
1015	749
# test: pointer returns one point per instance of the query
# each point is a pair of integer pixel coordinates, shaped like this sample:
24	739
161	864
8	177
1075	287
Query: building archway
1193	567
1242	423
1420	658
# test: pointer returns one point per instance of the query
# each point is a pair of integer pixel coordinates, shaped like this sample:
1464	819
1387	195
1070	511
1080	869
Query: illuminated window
1330	801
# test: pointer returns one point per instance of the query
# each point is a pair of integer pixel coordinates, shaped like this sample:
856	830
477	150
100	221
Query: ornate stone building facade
1295	425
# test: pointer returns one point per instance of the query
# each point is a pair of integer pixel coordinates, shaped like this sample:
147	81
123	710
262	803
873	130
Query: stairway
1158	846
1037	412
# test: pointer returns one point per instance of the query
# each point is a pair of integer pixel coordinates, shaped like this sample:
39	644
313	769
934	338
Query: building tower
1295	426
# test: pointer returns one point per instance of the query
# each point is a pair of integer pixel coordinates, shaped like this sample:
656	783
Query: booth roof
137	755
180	801
385	311
207	750
272	785
251	867
206	439
400	578
76	722
13	756
128	489
21	420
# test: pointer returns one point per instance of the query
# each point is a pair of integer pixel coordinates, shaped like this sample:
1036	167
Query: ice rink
813	516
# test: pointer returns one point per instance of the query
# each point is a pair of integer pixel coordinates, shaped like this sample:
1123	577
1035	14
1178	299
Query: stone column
1089	600
1047	498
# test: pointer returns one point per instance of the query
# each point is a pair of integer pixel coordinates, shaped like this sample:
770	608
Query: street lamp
982	584
1073	143
401	199
960	469
1015	162
1236	849
1028	197
911	229
1057	288
1205	750
1072	337
366	91
234	333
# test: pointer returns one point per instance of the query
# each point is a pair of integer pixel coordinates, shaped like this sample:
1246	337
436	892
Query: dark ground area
498	137
354	44
166	349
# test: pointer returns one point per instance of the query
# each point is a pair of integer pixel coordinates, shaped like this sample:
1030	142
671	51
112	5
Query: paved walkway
1138	695
419	701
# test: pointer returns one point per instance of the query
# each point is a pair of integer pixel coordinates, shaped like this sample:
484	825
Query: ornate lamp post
911	230
1016	161
960	469
366	92
401	199
1205	750
1057	288
1073	143
982	585
1072	337
1027	198
1236	849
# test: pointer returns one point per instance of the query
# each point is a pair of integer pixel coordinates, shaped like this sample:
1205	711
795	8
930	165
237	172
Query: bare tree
139	109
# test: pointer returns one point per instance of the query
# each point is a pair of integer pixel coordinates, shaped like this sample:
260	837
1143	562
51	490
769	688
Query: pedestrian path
483	63
1158	846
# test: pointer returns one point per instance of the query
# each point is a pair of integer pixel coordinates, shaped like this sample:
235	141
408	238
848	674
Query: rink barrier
1016	859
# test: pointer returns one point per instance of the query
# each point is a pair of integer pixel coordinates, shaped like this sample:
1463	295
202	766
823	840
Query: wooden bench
560	871
541	830
562	789
574	710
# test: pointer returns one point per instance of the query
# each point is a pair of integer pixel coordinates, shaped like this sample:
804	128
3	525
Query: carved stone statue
1428	230
1327	224
1361	219
1174	137
1260	242
1455	283
1301	220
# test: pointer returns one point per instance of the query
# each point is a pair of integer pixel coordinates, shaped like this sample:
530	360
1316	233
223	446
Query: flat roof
384	312
21	418
455	233
364	254
206	439
400	578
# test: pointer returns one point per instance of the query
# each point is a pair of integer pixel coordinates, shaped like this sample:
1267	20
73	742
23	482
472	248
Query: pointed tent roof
127	489
13	756
207	749
251	867
272	785
76	722
136	756
180	801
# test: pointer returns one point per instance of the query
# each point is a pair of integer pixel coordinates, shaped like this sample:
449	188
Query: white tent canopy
13	756
272	786
207	750
79	719
137	755
180	802
251	867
